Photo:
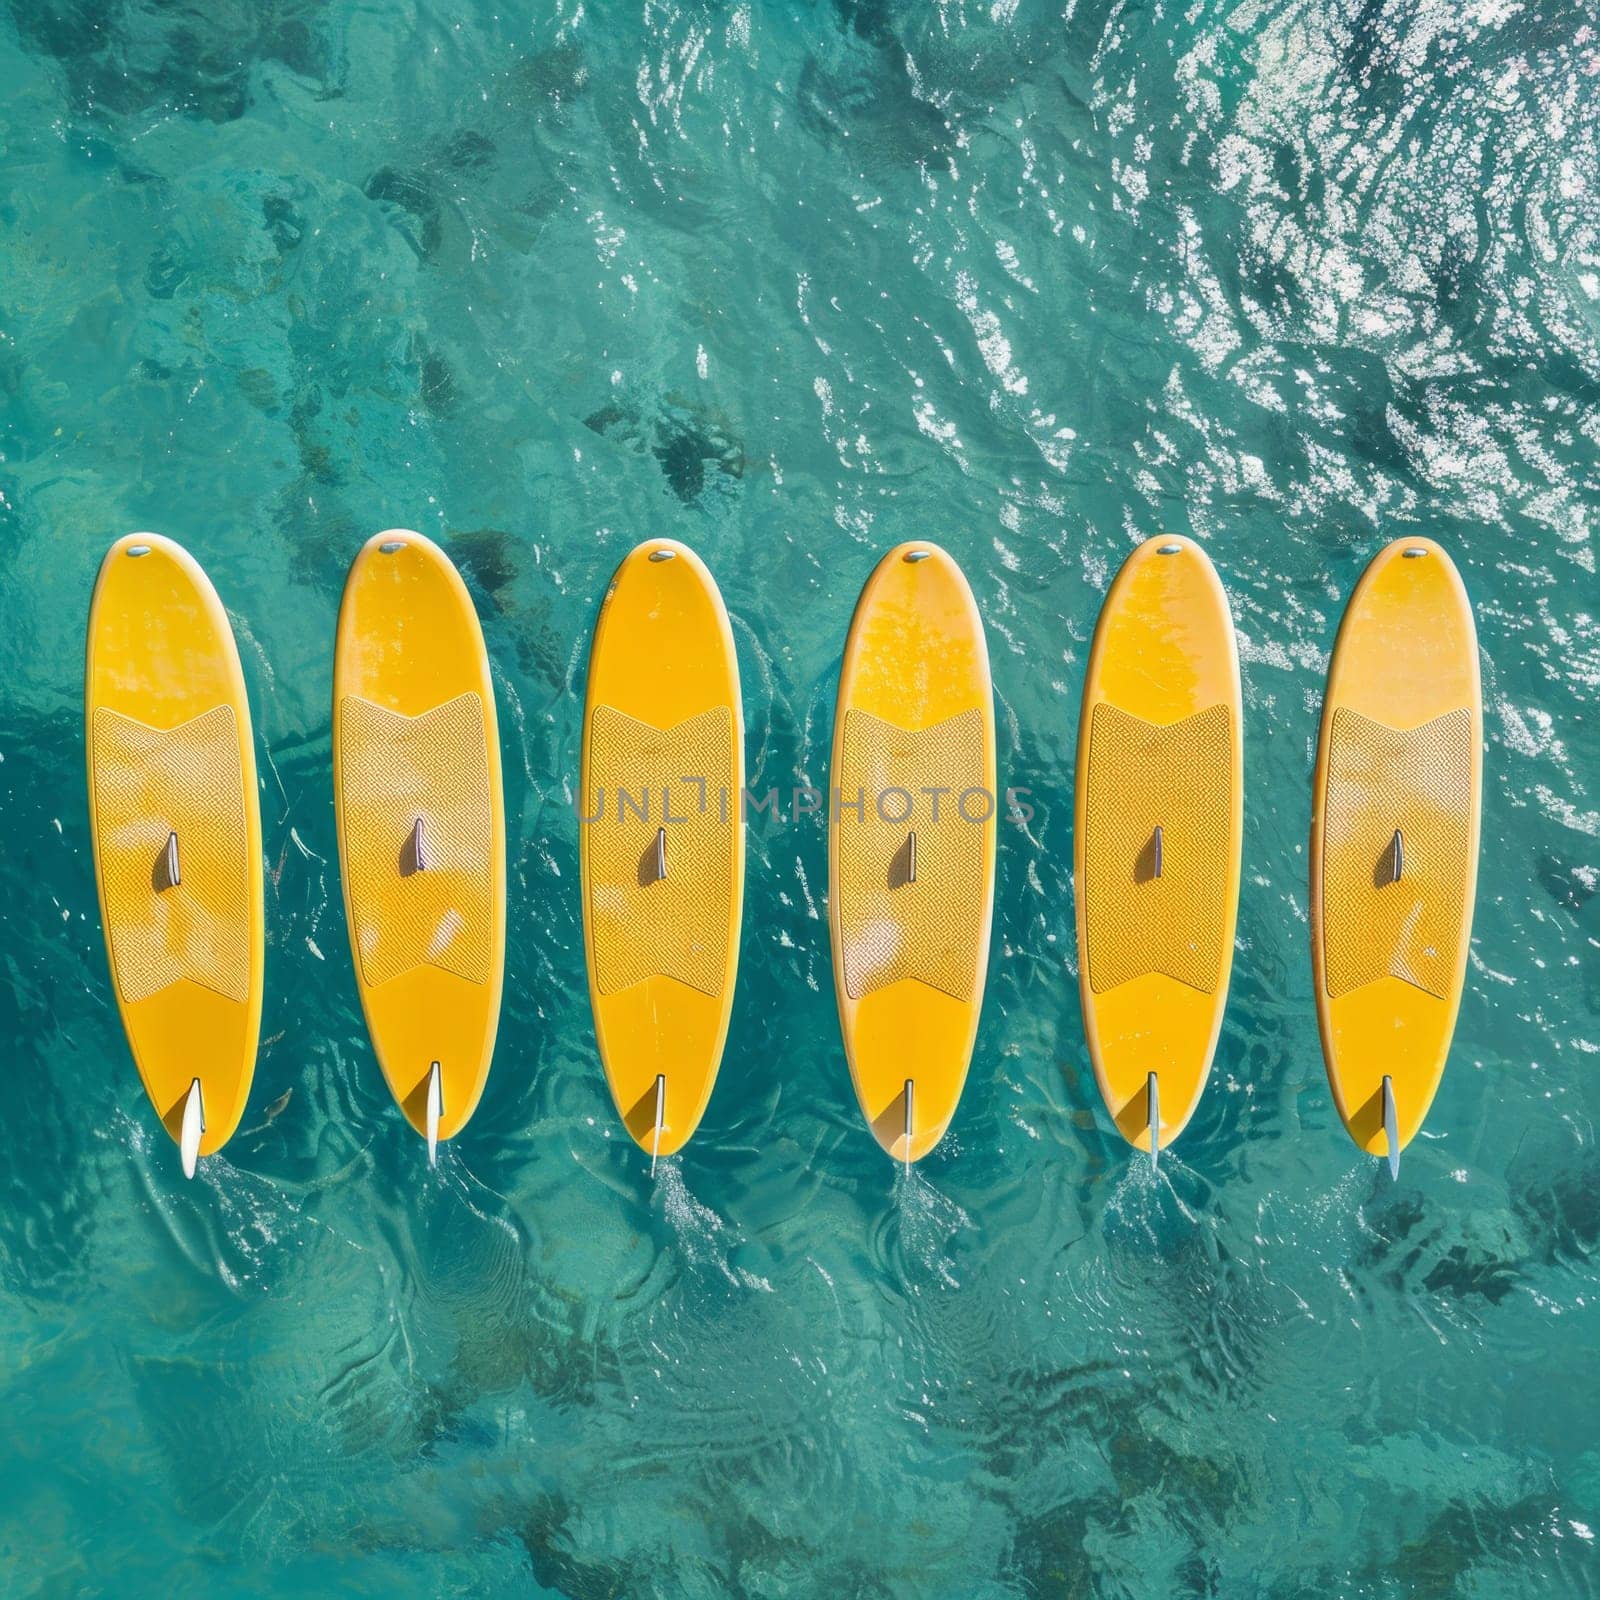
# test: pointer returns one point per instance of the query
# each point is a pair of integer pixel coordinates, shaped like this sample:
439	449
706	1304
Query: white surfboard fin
435	1113
661	1117
1152	1102
911	856
194	1125
171	876
1391	1122
419	855
661	855
911	1095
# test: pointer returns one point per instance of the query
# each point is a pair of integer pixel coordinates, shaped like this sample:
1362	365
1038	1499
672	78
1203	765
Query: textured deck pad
396	769
150	783
892	928
1379	780
644	926
1177	778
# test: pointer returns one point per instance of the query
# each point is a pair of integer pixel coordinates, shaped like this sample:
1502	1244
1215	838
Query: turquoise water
793	284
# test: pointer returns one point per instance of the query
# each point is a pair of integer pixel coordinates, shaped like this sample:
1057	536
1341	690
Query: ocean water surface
793	283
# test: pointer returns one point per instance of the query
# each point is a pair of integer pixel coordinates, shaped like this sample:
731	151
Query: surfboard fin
911	856
419	855
435	1112
171	877
1397	857
661	1117
1152	1101
194	1125
911	1095
1391	1122
1155	846
661	855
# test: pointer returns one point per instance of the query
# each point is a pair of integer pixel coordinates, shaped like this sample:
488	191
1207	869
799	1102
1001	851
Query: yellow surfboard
176	822
661	839
1394	840
911	838
422	851
1156	851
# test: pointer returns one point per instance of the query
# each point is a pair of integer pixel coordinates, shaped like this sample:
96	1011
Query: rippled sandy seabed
793	284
